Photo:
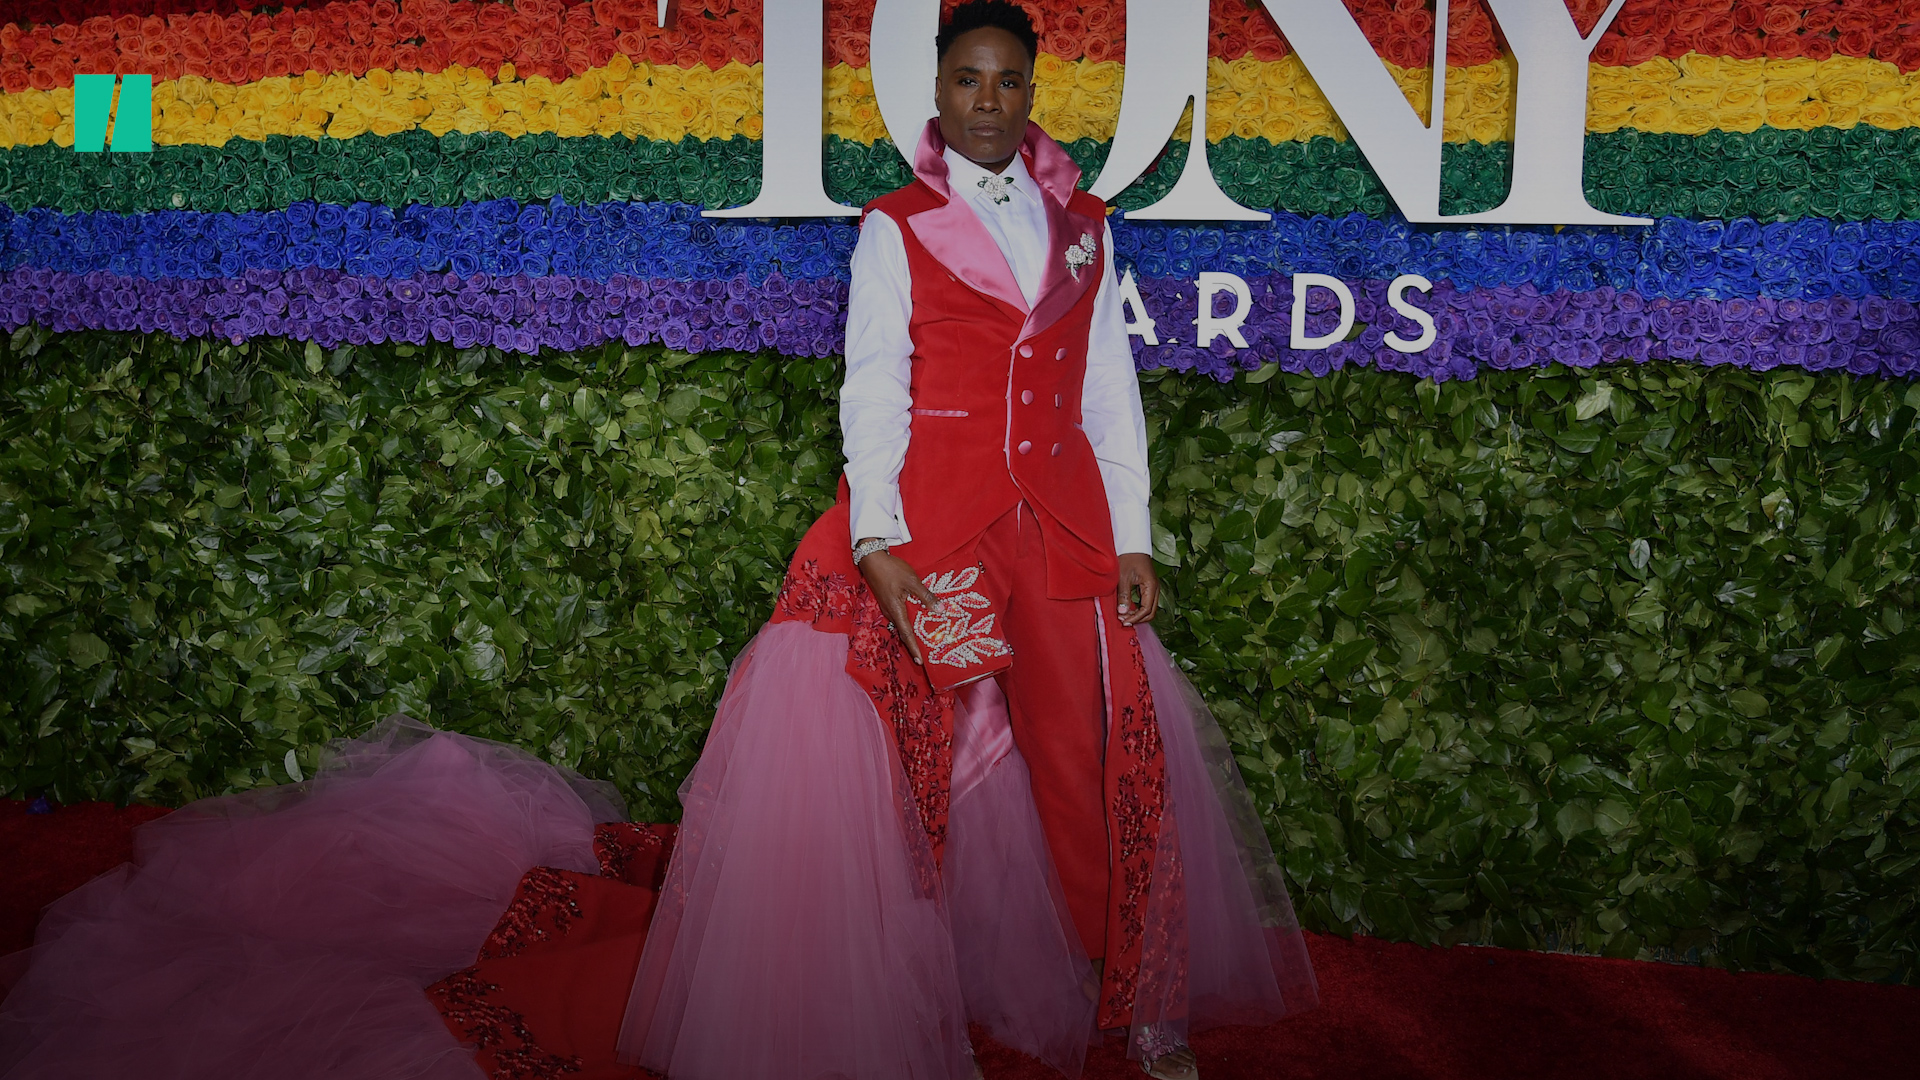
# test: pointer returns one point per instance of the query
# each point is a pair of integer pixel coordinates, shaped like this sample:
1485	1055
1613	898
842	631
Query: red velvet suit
998	472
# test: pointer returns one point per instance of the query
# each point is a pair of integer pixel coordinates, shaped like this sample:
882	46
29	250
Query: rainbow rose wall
405	373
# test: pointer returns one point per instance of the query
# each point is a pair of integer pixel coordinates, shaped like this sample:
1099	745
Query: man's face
984	92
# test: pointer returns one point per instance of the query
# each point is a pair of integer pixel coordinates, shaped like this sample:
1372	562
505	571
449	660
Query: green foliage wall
1620	660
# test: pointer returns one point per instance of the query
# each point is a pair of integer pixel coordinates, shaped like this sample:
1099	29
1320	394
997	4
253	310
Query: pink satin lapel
1058	176
1060	288
952	233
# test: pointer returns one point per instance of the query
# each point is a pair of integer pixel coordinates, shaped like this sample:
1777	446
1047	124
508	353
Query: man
881	844
991	409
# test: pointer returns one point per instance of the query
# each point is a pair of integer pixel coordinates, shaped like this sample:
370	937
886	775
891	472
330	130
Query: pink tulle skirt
872	962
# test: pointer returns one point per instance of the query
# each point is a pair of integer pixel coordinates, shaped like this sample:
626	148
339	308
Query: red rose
406	57
1641	18
1691	20
714	52
1819	20
849	46
659	51
1745	46
1852	18
1610	52
1816	48
1748	17
631	43
1101	18
1098	48
1783	46
1780	19
14	80
1856	42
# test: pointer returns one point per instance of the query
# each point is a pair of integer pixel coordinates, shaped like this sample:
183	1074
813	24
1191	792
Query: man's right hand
892	581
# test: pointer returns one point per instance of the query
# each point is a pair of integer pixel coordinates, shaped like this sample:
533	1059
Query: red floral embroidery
633	853
543	908
837	601
1136	808
499	1033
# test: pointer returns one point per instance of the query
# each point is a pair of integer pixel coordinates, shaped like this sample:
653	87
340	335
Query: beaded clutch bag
961	638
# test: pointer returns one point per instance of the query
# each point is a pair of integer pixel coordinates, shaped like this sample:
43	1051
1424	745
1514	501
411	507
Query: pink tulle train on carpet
288	933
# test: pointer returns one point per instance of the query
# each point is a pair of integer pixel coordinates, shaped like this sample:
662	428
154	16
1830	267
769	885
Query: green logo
95	110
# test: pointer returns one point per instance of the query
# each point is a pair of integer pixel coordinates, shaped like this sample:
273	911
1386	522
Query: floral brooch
1082	254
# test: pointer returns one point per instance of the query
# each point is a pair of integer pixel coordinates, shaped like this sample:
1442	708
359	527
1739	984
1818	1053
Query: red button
1056	449
1026	350
1025	447
1026	397
1056	401
1061	355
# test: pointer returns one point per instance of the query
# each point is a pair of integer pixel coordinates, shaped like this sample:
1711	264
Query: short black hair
981	14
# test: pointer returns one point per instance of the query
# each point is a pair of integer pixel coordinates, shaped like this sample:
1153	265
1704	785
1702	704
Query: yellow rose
1490	127
1700	66
1740	98
619	68
752	127
1698	92
1747	120
1691	120
1609	102
1845	90
1314	116
1063	126
1797	69
511	124
1279	127
733	102
1247	127
1052	97
387	124
1096	77
1815	114
1244	74
1788	93
1049	67
346	124
1653	117
1494	73
1281	74
1219	125
1650	93
1887	118
698	79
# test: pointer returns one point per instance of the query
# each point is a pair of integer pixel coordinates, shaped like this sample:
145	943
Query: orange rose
1780	19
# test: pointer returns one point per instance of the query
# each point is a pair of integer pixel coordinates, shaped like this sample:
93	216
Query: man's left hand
1139	592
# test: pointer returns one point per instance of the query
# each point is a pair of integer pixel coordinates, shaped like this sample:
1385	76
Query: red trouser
1057	704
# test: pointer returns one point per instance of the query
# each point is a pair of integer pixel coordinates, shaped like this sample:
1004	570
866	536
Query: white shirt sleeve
1111	415
876	398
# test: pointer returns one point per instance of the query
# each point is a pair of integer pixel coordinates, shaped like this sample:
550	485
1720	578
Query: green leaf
86	650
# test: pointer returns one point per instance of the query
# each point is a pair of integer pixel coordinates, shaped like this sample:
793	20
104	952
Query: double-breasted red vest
996	387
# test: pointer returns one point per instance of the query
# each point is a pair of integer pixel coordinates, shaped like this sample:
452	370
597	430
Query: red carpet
1390	1010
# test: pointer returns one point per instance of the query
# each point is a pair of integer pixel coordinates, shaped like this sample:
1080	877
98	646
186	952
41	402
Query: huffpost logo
96	110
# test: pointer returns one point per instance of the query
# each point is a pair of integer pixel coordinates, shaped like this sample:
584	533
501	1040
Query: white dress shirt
876	400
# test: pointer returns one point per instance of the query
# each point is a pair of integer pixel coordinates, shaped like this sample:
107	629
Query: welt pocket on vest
940	412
